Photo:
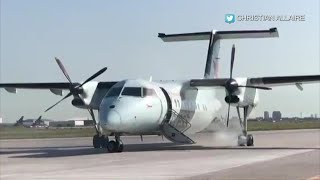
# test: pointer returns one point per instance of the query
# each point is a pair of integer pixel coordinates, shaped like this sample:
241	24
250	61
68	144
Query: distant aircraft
174	109
19	122
30	122
38	123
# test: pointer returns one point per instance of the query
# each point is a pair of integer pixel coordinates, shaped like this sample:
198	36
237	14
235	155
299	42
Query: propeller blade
63	70
228	114
68	95
94	76
257	87
233	51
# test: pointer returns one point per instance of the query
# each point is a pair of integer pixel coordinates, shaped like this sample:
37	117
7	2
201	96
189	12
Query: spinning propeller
232	86
75	89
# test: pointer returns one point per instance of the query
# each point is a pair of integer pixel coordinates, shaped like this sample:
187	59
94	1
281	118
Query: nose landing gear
115	146
101	141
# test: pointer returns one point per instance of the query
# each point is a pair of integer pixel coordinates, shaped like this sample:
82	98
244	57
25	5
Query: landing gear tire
120	146
104	141
100	141
249	140
96	141
115	146
245	140
242	140
112	146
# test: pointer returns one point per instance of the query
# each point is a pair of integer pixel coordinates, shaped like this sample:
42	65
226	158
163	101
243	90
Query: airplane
39	123
30	123
19	122
174	109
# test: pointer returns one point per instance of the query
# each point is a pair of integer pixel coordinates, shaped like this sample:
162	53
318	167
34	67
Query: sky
88	35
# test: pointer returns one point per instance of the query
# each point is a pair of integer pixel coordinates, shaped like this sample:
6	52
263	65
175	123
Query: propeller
74	89
231	84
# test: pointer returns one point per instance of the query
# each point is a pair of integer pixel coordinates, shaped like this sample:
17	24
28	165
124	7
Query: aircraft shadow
67	151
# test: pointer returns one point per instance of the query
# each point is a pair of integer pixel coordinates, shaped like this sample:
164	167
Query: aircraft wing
262	81
58	85
55	87
285	80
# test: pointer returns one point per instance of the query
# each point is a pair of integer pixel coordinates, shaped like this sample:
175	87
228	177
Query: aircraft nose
113	120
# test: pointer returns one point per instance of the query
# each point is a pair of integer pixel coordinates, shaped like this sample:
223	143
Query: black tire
120	146
104	141
250	140
96	142
112	146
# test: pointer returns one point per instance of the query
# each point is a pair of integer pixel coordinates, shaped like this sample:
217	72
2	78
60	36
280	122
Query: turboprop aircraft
174	109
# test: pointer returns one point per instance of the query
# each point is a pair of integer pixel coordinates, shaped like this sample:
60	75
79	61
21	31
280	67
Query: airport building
266	115
62	124
276	115
71	123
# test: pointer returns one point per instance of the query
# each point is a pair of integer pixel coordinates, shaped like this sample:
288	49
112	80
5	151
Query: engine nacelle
243	96
77	102
90	95
232	99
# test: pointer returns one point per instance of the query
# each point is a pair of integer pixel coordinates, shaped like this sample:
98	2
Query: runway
290	154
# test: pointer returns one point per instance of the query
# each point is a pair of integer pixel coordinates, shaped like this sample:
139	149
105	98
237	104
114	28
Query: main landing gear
101	141
244	139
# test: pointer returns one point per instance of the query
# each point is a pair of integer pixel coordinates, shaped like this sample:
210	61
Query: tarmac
288	154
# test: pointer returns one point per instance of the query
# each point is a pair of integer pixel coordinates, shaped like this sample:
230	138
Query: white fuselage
126	109
133	112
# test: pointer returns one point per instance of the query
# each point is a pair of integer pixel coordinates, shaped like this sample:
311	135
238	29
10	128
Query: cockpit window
132	91
114	92
148	92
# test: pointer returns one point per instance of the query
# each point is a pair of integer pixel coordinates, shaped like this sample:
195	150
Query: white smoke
225	138
222	135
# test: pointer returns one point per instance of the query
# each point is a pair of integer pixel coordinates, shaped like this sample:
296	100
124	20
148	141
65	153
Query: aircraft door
169	105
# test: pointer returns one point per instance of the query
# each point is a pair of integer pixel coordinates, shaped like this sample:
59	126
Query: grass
30	133
282	125
27	133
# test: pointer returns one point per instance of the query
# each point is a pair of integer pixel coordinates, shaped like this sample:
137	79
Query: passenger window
132	91
148	92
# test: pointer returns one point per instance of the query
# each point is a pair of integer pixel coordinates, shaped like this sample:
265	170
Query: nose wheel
103	142
100	141
115	146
